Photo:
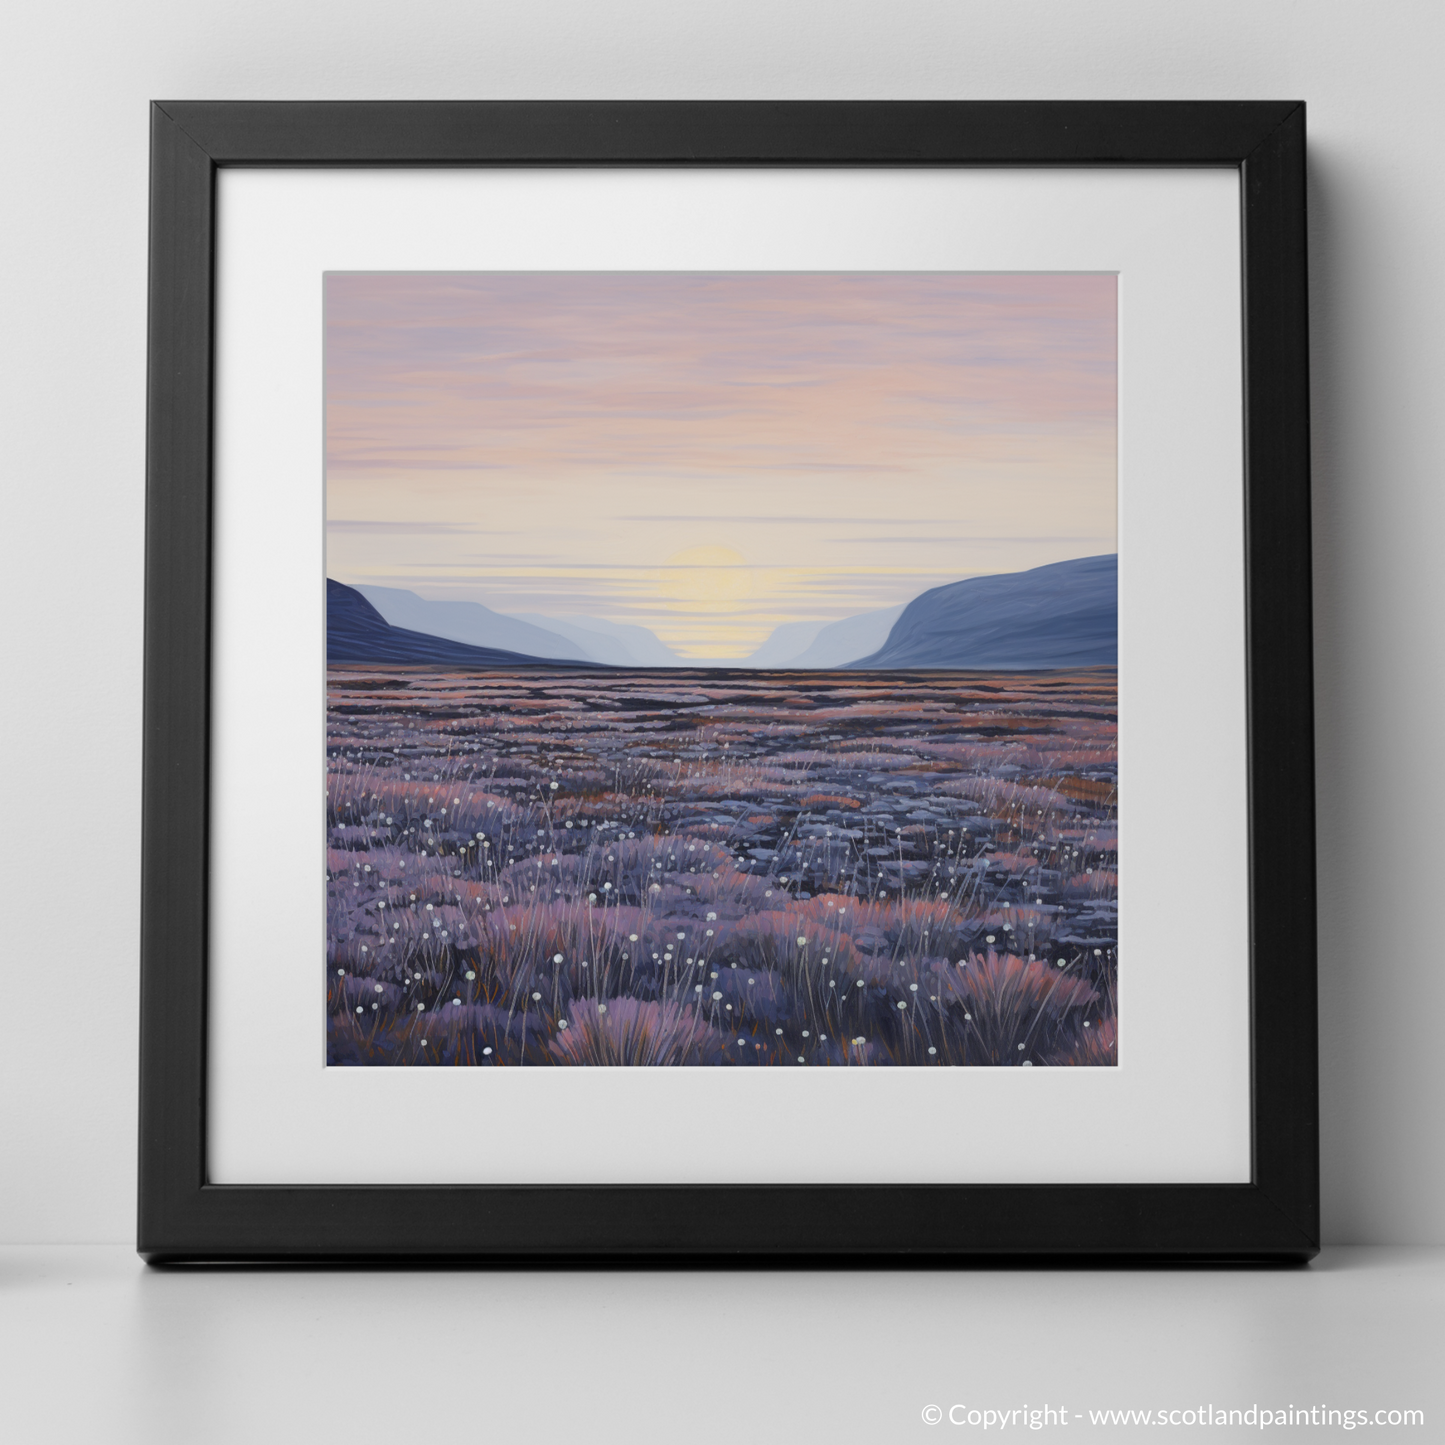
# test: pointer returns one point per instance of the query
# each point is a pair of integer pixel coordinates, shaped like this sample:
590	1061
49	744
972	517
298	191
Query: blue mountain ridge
357	632
1065	614
471	623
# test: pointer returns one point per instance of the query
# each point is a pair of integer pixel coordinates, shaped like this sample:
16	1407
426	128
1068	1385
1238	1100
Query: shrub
1014	1007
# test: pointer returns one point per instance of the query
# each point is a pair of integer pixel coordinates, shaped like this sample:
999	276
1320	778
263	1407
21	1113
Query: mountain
820	644
839	642
785	643
1062	615
357	632
472	623
623	644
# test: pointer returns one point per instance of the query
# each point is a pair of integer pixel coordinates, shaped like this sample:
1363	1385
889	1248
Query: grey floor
96	1348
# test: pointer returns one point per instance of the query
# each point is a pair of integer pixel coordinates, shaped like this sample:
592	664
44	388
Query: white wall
75	78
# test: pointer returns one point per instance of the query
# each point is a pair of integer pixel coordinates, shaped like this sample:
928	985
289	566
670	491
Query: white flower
421	1008
717	995
536	995
556	958
1028	1063
358	1008
860	983
456	1003
988	938
932	1050
379	988
901	1004
486	1050
471	973
632	937
602	1008
561	1023
801	942
913	988
697	988
554	786
341	971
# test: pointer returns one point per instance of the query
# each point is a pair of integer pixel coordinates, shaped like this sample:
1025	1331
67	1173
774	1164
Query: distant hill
357	632
473	624
824	644
623	644
839	642
784	643
1062	615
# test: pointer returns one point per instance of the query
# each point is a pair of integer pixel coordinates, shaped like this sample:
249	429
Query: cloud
386	528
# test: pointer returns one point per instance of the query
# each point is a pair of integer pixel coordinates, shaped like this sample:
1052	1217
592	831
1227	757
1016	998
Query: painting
721	669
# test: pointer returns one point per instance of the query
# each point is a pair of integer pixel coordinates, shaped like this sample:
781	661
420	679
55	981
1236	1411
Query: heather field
804	869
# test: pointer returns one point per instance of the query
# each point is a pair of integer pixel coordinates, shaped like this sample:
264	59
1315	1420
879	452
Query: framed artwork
728	680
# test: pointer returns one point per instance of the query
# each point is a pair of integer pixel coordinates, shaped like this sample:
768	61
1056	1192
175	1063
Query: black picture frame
182	1216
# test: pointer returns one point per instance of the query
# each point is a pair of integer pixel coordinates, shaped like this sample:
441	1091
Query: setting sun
708	579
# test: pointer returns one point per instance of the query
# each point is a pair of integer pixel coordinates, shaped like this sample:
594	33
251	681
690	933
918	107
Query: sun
705	579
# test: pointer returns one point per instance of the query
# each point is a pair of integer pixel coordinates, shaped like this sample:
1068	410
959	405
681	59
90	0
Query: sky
714	454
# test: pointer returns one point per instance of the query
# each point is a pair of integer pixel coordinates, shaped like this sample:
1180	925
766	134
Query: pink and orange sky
711	455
